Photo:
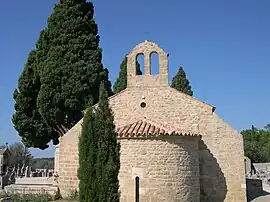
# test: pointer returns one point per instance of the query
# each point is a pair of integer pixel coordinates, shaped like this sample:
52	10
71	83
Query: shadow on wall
254	189
212	180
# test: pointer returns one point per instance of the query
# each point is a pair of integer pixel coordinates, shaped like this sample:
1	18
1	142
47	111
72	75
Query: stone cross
22	169
26	172
18	171
13	170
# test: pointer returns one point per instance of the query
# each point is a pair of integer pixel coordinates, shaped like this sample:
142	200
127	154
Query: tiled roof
147	128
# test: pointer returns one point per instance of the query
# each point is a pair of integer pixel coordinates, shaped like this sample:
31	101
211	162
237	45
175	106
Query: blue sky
224	47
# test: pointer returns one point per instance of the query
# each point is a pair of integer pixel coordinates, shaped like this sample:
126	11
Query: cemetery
24	180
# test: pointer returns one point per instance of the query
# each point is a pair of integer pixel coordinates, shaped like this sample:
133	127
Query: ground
65	200
262	199
259	199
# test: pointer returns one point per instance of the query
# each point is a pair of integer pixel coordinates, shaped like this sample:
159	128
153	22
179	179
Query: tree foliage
257	144
19	154
42	163
267	127
121	82
99	157
61	75
27	120
181	83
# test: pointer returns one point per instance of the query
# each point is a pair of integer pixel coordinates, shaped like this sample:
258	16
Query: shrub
27	197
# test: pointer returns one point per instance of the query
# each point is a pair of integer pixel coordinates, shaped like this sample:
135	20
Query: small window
143	104
137	188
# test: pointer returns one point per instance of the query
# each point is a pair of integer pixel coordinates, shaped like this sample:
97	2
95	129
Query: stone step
35	180
32	189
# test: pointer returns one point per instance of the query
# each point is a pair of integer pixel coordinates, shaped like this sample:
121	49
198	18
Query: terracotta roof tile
147	128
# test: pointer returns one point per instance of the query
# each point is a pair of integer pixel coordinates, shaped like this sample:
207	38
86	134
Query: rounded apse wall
167	168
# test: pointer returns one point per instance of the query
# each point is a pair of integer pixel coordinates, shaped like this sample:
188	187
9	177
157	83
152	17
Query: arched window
140	64
154	63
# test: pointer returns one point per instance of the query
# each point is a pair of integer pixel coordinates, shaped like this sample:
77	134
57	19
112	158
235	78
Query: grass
35	198
27	197
42	197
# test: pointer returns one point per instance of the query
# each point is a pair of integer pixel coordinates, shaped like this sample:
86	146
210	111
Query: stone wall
222	156
56	159
69	161
168	169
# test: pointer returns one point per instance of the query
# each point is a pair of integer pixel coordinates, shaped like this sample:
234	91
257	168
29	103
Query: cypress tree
99	154
66	68
181	83
27	120
88	147
121	82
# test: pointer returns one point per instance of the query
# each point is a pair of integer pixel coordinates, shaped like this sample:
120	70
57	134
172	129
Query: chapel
174	147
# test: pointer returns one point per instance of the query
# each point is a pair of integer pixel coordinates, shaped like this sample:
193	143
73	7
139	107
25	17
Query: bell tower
147	80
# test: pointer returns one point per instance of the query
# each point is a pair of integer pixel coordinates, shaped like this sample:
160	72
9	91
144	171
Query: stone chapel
175	145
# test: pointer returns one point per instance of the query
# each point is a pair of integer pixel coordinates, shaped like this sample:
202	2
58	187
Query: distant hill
42	163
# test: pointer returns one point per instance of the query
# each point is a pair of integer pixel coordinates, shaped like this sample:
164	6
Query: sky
223	46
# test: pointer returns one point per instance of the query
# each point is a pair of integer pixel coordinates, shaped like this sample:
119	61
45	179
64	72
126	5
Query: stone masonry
168	169
191	154
56	159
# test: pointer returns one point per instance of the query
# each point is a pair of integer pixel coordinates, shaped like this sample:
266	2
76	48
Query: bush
27	197
74	195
